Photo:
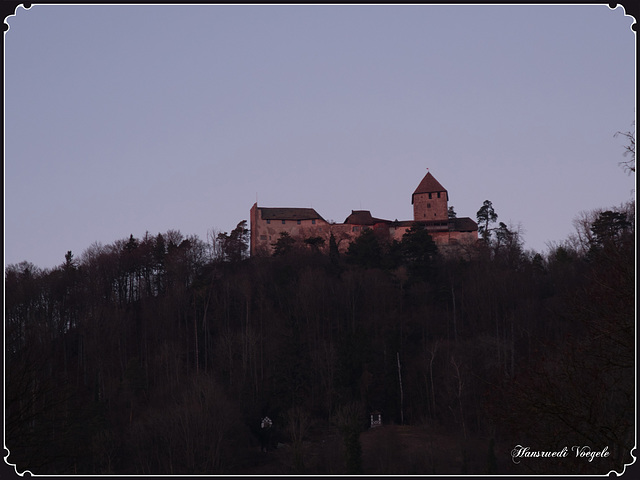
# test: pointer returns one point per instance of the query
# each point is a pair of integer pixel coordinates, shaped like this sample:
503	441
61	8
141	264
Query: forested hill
161	355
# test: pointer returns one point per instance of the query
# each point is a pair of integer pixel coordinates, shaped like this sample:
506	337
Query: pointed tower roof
428	185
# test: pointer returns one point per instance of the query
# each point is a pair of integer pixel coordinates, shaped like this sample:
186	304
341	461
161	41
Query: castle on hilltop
430	207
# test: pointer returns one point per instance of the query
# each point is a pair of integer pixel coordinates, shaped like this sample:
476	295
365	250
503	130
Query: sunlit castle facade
430	203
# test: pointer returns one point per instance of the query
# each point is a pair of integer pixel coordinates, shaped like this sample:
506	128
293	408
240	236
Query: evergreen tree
316	243
418	251
485	216
233	247
283	245
365	250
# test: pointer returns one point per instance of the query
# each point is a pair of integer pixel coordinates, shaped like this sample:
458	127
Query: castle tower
430	201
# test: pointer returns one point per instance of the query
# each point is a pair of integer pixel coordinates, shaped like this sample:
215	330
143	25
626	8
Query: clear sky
122	119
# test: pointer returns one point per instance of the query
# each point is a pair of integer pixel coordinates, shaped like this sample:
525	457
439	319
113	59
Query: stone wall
265	233
427	209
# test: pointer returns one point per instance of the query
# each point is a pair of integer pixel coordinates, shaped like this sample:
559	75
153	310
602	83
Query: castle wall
304	223
440	237
434	208
265	234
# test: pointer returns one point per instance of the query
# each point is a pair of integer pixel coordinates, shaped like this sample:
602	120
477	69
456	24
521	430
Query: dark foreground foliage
150	356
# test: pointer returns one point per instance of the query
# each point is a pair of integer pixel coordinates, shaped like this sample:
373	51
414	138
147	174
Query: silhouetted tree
609	228
349	420
283	245
316	243
365	250
486	216
419	252
234	246
629	150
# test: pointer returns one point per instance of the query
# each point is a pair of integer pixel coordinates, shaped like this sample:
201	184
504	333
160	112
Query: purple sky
126	119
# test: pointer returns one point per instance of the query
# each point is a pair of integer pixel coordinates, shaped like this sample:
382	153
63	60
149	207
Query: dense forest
163	355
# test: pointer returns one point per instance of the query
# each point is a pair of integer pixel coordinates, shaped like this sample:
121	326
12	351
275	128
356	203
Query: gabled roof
289	214
363	217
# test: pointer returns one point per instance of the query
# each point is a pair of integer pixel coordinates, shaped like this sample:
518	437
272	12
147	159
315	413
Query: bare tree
629	166
297	426
401	391
432	351
582	239
459	390
348	419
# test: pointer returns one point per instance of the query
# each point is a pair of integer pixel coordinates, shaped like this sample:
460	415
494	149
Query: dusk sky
122	119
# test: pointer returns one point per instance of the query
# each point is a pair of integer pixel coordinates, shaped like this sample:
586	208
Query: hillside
152	356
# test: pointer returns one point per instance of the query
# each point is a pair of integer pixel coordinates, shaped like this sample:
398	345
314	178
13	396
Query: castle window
268	221
428	204
313	222
438	194
299	222
430	196
283	222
